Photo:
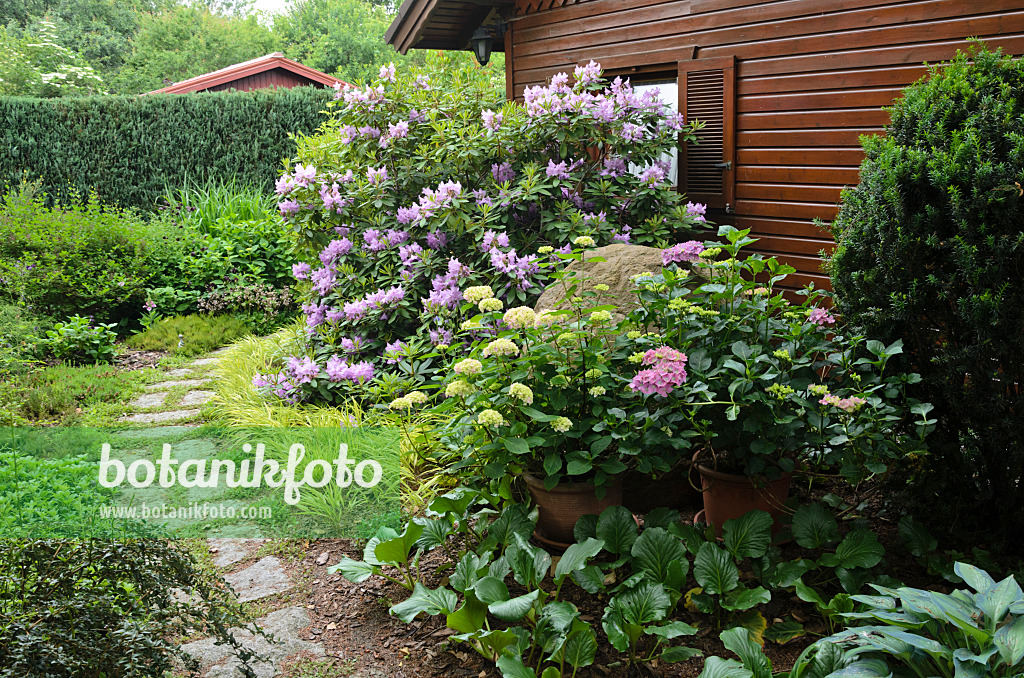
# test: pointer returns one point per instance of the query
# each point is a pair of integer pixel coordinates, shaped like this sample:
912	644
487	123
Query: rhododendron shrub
418	190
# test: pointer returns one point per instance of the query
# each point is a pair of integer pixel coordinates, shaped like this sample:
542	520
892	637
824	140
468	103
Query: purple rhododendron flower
492	120
335	250
301	271
304	371
377	176
288	207
436	240
696	210
557	170
502	172
393	352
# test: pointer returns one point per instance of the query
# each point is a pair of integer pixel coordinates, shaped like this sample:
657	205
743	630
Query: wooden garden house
786	87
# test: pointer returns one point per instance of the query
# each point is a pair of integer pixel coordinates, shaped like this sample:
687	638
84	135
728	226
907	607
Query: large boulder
620	263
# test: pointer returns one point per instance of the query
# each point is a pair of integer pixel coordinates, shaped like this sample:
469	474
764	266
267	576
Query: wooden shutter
707	92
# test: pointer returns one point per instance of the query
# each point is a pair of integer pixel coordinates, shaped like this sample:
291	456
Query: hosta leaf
590	578
398	549
744	599
440	601
995	602
716	667
645	604
680	653
671	630
814	527
749	535
1009	640
975	577
576	556
859	548
863	668
470	617
513	667
617	529
514	609
783	632
753	621
655	551
916	537
714	570
354	570
581	647
738	640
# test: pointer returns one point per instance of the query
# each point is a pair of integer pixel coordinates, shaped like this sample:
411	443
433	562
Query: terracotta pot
728	496
563	505
641	493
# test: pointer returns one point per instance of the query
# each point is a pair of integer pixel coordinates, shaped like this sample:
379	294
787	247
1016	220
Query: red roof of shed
245	69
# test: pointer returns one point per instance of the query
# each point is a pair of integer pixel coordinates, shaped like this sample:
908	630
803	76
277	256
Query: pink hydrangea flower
684	252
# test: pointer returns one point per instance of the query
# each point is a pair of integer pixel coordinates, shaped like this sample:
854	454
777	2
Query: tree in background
37	65
188	40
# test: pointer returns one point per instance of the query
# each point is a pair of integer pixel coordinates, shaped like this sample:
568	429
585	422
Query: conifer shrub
930	251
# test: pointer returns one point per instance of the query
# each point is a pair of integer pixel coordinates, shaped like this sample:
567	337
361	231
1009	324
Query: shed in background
273	70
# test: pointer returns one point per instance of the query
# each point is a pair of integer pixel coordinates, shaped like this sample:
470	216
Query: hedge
129	150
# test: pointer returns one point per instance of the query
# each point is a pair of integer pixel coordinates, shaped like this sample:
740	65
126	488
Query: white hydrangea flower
520	317
460	387
475	295
490	304
417	397
521	392
490	418
468	366
597	391
584	241
562	424
501	347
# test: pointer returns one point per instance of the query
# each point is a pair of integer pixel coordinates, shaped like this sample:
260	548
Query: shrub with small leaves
79	341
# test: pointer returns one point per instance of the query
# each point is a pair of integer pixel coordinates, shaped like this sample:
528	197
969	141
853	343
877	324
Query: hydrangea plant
418	190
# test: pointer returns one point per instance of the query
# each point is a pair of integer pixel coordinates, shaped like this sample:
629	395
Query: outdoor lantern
481	42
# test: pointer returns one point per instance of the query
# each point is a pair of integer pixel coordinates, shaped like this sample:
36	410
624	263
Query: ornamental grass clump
421	189
771	384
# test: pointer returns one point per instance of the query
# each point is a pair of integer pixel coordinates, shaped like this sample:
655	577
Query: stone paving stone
187	383
265	578
204	361
196	397
230	551
285	624
149	400
180	372
154	417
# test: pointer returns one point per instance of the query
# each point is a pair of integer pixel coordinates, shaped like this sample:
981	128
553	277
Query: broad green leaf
529	564
783	632
493	643
716	667
559	615
749	535
512	521
551	672
354	570
975	577
466	574
671	630
455	502
512	667
738	640
859	548
440	601
692	538
397	550
916	537
753	621
995	602
645	604
514	609
516	445
679	653
585	527
576	556
617	529
661	517
581	647
863	668
491	590
714	569
1009	640
435	533
654	551
814	527
470	617
382	534
744	599
818	661
590	578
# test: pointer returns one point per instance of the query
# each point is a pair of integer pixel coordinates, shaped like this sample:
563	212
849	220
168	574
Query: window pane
669	94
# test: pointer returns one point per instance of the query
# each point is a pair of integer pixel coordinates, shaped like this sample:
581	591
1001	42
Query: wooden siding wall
277	77
811	77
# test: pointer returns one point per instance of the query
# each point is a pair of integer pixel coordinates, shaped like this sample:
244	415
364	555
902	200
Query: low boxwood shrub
930	250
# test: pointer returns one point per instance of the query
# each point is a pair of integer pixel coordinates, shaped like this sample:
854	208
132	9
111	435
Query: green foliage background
128	150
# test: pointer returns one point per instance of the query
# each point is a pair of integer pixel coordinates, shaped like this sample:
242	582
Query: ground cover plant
60	393
420	189
190	335
928	244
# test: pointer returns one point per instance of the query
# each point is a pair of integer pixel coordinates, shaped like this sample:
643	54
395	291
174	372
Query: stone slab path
177	397
266	582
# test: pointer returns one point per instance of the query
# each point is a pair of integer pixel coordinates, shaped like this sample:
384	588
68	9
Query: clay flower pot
728	496
563	505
